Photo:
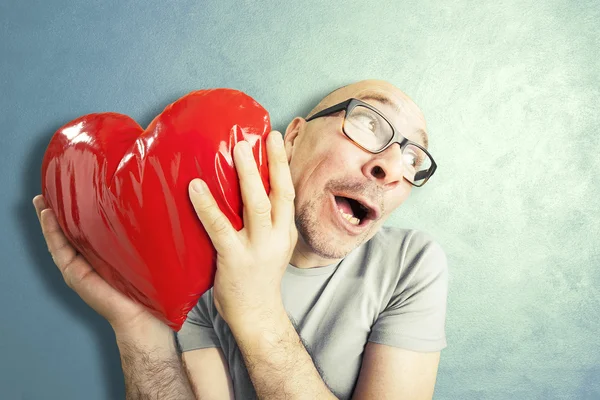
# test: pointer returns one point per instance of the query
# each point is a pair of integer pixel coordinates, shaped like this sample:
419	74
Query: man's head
327	167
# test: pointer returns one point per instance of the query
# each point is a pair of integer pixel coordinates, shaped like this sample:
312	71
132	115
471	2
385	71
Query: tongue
344	205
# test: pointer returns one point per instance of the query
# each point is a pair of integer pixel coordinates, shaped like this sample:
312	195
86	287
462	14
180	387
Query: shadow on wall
98	328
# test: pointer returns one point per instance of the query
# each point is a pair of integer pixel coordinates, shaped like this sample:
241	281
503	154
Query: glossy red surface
120	192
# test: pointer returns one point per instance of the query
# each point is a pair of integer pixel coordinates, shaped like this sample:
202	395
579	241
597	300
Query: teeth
350	218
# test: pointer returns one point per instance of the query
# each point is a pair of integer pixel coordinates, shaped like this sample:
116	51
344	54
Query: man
368	302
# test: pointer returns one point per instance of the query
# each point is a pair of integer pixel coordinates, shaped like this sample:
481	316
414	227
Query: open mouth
355	212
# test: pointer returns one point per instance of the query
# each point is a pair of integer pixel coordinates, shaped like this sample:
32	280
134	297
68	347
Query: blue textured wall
511	91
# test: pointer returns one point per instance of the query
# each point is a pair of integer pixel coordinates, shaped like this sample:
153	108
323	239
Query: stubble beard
319	238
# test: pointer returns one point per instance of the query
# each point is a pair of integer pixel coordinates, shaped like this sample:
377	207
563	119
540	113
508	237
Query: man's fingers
222	235
282	188
63	253
73	267
257	206
58	245
77	272
40	204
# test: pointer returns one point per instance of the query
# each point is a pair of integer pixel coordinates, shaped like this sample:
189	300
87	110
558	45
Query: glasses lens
371	131
367	128
416	164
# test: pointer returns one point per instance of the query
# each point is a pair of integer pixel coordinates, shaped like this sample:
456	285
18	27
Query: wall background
511	91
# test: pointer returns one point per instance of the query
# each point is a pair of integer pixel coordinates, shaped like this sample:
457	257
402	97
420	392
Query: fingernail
277	139
198	186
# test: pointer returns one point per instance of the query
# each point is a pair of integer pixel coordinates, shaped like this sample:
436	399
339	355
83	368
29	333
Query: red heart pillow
120	193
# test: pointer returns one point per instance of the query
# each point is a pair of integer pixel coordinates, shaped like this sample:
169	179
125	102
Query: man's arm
281	368
150	361
277	361
153	369
402	356
208	373
151	365
250	266
393	373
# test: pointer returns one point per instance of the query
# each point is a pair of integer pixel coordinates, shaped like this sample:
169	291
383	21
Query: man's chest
333	322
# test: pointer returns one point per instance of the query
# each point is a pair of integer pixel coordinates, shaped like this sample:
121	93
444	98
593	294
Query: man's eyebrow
383	99
380	98
423	136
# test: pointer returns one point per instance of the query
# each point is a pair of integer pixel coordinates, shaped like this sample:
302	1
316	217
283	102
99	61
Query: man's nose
386	168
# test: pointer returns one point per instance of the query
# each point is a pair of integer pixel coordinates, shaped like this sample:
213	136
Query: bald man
314	298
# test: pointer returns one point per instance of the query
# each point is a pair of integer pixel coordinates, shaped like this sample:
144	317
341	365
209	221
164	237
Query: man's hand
119	310
151	366
251	262
250	266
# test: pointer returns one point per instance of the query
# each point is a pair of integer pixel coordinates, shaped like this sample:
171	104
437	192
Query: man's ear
291	133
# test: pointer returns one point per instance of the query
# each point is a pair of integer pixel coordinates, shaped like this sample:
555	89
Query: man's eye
411	158
367	121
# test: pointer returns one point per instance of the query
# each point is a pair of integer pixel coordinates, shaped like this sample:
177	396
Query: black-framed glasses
370	130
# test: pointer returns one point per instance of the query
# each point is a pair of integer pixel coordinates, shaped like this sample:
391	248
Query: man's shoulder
399	252
392	238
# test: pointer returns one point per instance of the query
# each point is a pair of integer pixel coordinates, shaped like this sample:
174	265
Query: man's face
328	168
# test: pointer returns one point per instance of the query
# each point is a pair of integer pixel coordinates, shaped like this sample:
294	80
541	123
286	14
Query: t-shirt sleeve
197	332
415	317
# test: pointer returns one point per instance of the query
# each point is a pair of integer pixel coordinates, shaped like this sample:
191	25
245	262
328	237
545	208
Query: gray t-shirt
390	290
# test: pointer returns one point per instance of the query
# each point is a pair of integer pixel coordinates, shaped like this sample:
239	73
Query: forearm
277	361
151	364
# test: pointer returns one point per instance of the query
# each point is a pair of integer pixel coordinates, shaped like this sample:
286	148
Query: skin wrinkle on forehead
399	101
